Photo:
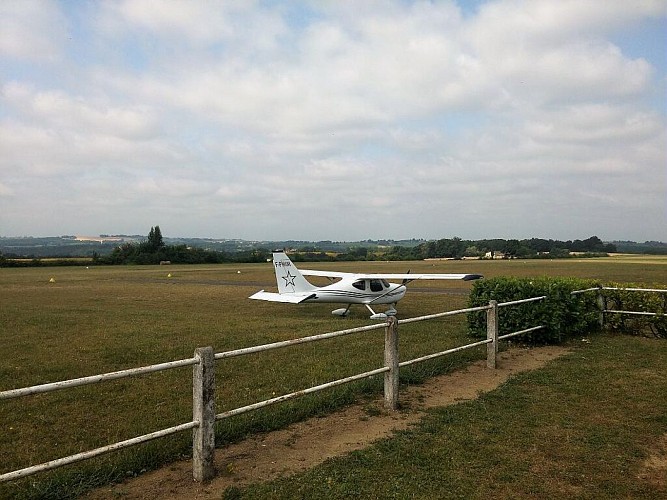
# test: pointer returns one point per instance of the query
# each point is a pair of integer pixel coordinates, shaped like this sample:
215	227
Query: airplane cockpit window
385	283
360	284
376	285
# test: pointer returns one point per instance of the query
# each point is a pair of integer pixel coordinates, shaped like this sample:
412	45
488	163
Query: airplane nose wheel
382	316
392	310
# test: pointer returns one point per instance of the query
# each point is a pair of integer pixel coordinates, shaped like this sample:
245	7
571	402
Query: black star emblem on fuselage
289	279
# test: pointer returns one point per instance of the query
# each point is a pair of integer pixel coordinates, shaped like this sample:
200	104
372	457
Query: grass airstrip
65	322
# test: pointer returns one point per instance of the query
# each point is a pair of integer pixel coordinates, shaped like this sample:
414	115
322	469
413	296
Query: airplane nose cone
400	291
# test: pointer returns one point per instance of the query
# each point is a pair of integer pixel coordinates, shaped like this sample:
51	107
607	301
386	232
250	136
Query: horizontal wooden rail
96	452
520	332
637	313
293	395
444	353
521	301
301	340
94	379
593	289
442	314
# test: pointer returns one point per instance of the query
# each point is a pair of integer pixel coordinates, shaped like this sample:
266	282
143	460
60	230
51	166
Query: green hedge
625	300
563	314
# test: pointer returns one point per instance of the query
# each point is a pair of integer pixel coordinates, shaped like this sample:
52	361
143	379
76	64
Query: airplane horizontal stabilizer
289	298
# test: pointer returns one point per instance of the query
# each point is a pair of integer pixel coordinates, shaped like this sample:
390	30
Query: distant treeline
177	254
457	248
648	247
154	250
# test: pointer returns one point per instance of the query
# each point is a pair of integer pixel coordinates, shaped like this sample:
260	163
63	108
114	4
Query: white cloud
547	21
592	124
545	51
193	25
55	109
5	190
32	30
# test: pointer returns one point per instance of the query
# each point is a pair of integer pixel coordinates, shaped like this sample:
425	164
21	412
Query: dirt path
306	444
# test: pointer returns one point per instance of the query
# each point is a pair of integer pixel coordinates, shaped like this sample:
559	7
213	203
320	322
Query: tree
155	239
511	248
473	251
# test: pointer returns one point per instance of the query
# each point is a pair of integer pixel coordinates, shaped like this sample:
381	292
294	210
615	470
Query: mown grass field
102	319
592	425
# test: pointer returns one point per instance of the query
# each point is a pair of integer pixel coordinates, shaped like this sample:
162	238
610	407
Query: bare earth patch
305	444
655	466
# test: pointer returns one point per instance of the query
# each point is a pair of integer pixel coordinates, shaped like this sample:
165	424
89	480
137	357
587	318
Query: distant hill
103	245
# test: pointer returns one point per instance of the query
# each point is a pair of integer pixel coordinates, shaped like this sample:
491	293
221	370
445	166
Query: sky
334	120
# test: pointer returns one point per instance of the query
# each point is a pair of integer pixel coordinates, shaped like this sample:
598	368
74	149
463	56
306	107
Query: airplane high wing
392	276
352	288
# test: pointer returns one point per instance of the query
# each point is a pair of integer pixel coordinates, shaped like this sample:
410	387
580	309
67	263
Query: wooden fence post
602	305
391	361
203	411
492	334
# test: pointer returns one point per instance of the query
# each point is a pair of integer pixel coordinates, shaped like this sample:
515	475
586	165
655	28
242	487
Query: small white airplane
352	288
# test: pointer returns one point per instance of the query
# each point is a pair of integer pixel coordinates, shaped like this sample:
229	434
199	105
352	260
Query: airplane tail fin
288	277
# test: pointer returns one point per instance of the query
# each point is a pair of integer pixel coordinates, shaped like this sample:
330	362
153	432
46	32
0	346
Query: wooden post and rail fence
203	387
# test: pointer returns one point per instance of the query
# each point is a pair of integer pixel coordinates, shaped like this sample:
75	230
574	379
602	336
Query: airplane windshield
385	283
376	285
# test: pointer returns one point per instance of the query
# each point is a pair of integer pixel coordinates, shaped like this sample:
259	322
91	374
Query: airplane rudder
288	277
285	272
